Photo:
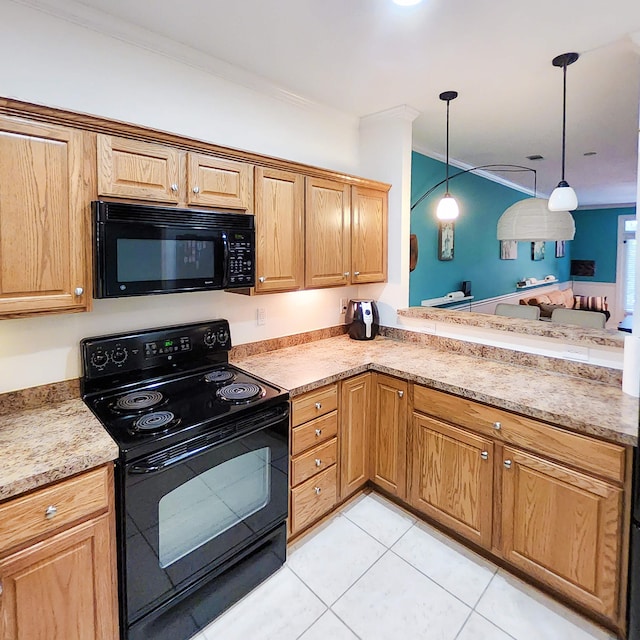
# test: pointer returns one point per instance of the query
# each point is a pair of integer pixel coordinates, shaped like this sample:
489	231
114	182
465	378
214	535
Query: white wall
56	63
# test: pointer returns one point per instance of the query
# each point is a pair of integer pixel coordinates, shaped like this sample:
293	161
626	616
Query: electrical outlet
261	316
343	305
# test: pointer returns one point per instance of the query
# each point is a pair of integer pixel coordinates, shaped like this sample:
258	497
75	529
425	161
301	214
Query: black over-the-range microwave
142	250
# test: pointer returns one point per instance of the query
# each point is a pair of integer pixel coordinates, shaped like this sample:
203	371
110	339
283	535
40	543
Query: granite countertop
580	405
45	443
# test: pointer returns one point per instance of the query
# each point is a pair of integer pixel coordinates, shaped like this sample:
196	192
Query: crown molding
113	27
401	112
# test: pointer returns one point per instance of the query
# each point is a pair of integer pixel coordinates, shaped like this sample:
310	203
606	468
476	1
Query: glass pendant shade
530	220
447	208
563	198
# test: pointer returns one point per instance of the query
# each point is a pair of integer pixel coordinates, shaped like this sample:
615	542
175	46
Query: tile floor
373	572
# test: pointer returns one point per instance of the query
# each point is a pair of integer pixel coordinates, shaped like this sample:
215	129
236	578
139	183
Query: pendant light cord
447	174
564	114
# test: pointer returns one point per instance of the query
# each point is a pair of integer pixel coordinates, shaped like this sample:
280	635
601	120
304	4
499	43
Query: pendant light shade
563	198
530	220
447	207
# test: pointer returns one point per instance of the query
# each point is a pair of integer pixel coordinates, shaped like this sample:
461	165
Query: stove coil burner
138	401
220	376
241	392
154	422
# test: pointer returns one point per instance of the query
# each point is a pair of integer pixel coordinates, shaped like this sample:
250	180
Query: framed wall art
445	241
508	249
537	251
560	249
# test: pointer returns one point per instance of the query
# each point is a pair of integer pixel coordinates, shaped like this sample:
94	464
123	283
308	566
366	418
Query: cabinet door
215	182
327	233
279	214
354	433
390	435
139	170
563	528
44	231
63	588
368	235
452	477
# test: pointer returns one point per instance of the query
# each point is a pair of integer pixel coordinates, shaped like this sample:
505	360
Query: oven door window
211	503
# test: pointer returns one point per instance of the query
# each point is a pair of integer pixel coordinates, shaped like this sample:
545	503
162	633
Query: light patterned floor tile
378	517
452	566
477	628
329	627
333	558
527	614
394	600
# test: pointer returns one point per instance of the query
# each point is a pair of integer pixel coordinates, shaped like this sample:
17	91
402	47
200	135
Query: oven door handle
154	467
225	259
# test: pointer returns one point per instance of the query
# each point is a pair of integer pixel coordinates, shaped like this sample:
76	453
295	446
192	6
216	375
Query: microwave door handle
225	259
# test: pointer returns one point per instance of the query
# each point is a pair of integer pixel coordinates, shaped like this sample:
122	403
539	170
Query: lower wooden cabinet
59	582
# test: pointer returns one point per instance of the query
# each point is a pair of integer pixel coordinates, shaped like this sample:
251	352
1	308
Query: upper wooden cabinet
368	235
44	231
149	171
279	211
215	182
139	170
327	234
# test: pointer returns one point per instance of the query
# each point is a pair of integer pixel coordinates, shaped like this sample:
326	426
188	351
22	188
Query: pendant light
563	197
530	220
447	207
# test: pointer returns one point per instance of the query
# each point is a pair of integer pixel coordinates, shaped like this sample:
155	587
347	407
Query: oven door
198	509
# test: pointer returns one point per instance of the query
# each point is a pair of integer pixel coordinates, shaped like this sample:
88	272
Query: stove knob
119	355
99	359
210	338
223	337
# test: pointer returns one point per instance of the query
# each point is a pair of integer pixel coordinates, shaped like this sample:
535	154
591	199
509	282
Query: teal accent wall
597	239
476	248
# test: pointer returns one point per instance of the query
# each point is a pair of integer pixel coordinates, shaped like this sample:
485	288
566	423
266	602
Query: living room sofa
566	298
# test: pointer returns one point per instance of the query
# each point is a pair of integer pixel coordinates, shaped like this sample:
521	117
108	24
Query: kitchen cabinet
44	232
148	171
389	436
57	562
368	235
314	453
279	211
355	412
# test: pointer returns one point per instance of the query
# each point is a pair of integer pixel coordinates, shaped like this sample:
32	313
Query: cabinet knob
318	490
484	455
261	279
196	189
78	291
346	274
318	433
318	462
50	512
400	394
174	188
318	405
356	273
507	464
497	426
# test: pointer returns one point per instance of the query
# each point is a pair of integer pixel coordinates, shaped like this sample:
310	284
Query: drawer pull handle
484	455
318	462
318	490
318	433
318	405
50	512
507	464
196	190
174	188
497	425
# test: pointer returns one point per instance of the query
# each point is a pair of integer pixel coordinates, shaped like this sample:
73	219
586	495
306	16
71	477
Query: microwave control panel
241	259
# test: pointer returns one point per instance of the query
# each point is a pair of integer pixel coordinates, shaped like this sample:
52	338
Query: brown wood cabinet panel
368	235
313	498
314	404
452	478
563	528
602	458
138	170
216	182
279	211
327	233
355	411
314	432
44	231
389	446
318	459
63	588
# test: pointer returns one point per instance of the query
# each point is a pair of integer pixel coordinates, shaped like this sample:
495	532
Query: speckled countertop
579	405
41	444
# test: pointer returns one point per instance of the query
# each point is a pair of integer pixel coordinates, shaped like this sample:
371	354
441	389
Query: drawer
313	433
602	458
314	404
313	498
25	518
318	459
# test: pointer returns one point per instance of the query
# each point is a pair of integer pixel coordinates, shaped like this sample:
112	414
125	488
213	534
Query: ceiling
365	56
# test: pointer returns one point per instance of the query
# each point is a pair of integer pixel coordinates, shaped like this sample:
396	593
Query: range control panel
127	352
